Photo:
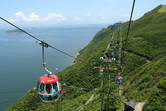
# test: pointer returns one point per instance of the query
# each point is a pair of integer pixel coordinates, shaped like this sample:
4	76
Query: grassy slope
146	83
162	9
147	36
142	81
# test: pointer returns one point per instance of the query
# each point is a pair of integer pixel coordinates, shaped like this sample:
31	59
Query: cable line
36	38
128	31
61	51
129	23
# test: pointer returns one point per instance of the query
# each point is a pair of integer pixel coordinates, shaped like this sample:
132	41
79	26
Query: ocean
21	56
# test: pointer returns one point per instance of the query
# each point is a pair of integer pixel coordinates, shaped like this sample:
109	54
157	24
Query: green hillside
149	31
143	71
162	9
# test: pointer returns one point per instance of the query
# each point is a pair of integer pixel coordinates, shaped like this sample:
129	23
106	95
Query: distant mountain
14	31
143	71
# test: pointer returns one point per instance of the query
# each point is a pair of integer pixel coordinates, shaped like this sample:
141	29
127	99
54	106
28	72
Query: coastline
75	59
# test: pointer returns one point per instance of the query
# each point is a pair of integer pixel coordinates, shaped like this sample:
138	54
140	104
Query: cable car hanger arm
44	44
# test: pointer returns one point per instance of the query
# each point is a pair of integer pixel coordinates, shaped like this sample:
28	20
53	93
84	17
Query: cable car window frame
40	90
55	87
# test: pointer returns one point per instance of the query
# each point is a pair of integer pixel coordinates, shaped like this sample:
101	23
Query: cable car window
118	81
48	88
41	88
54	85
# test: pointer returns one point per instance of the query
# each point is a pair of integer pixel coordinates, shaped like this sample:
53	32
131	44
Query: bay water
21	56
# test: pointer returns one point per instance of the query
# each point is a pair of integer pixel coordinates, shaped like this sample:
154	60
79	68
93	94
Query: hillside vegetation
147	37
143	70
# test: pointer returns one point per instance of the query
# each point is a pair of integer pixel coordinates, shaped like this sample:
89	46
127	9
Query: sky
65	12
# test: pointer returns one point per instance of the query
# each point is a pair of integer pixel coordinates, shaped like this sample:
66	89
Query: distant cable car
101	72
48	88
119	55
113	59
118	80
101	58
109	60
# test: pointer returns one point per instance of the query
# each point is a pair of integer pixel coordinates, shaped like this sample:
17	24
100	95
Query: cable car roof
118	77
48	79
101	70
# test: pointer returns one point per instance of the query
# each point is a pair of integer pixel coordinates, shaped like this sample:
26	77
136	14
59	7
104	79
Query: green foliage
147	35
147	84
162	85
156	102
28	103
146	78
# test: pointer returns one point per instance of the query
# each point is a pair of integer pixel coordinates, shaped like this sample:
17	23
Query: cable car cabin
119	55
113	59
48	88
109	60
101	72
118	80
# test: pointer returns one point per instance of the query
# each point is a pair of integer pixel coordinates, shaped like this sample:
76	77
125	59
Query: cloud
34	17
102	16
11	20
87	14
55	16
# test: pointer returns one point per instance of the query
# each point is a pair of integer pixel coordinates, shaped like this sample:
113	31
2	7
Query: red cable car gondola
101	72
48	88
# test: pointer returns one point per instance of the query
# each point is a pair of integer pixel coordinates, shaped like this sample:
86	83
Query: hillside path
108	47
139	106
129	52
89	100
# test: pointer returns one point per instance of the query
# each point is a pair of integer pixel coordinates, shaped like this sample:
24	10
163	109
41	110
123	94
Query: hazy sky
52	12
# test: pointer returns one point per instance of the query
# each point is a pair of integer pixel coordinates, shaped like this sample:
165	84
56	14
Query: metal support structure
44	44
